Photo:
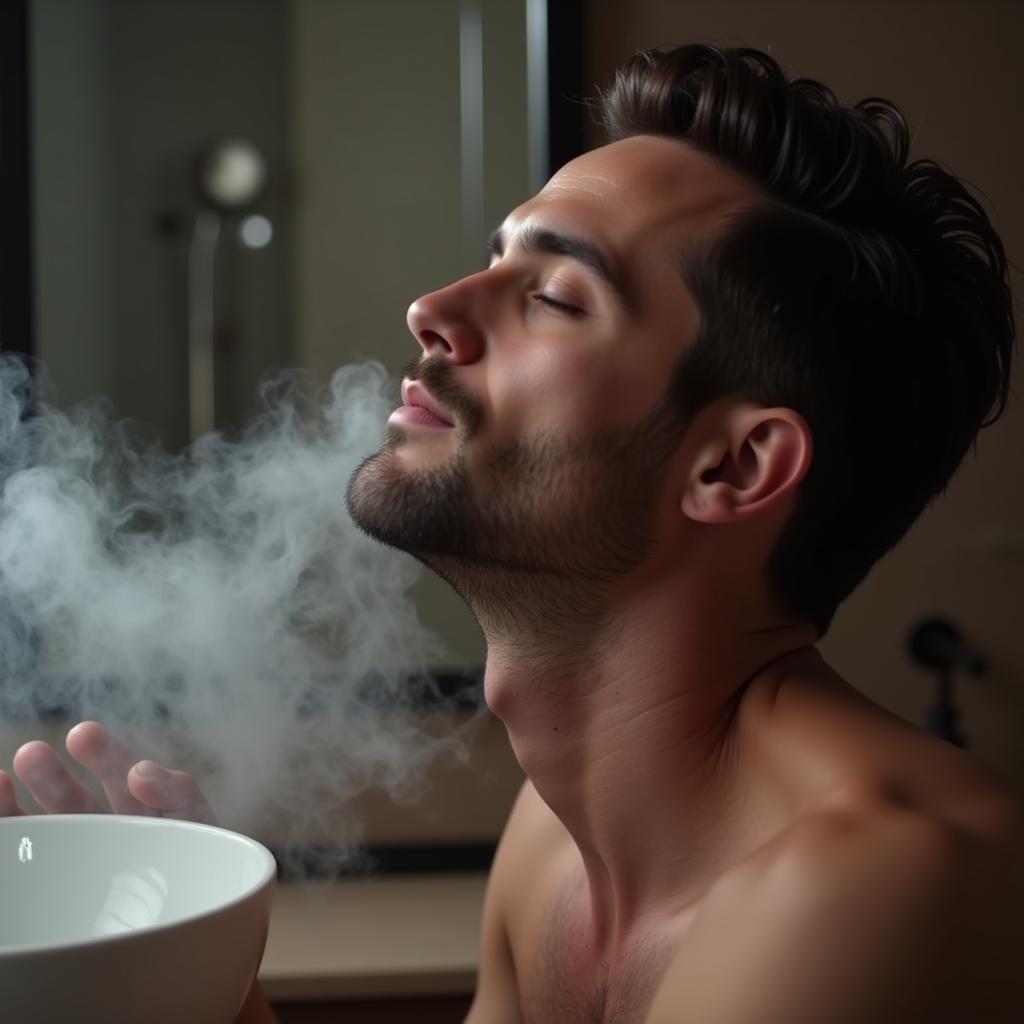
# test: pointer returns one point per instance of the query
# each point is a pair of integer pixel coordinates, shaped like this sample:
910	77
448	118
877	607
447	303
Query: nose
445	322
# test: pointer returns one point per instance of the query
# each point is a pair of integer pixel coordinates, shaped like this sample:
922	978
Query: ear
756	458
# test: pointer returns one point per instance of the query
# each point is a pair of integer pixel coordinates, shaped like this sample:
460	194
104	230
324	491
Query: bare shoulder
531	859
532	836
873	912
530	845
531	821
903	862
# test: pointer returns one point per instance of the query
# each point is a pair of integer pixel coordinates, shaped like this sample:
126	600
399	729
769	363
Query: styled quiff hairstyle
866	293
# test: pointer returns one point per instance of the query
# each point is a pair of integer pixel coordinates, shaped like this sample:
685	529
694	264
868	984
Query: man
714	370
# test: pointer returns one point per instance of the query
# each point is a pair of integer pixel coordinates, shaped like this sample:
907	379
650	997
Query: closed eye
560	307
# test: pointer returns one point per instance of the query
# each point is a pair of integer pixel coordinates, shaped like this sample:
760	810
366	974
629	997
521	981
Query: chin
423	512
367	496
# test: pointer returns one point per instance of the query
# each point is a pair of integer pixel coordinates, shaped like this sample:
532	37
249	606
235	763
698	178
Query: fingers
9	806
136	788
110	761
143	788
52	786
175	794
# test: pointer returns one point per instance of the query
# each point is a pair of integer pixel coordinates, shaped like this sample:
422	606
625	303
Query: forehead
646	192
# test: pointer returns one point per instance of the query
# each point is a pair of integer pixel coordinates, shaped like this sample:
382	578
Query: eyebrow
556	243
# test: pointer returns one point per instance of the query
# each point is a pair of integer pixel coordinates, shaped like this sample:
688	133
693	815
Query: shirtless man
714	370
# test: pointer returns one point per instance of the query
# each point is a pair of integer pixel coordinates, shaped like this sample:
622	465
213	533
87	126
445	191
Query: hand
132	787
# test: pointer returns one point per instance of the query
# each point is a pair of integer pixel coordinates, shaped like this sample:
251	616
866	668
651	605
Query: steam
219	607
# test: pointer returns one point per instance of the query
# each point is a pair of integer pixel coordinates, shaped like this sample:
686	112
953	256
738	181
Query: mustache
438	377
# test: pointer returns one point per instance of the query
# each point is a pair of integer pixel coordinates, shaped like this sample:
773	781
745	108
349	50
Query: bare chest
563	979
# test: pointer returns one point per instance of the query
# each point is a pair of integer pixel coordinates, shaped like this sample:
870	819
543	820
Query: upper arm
885	927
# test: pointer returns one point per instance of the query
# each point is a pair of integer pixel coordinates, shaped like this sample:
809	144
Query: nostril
431	339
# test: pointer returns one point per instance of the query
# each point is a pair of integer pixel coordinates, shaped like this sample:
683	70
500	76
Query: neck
626	719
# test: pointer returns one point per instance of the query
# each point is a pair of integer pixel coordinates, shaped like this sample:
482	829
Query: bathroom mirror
197	195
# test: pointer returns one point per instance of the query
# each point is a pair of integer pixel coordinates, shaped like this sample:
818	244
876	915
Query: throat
648	785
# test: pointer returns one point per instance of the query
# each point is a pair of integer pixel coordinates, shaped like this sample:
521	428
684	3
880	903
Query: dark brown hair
866	293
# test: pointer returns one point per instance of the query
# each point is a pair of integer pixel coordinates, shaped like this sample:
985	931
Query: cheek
567	388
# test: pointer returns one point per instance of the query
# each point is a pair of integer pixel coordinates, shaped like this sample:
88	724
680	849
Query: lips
416	396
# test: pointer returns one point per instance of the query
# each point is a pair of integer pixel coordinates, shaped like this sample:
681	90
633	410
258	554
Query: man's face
552	367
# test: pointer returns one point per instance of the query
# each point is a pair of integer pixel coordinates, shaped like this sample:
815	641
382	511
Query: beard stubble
577	508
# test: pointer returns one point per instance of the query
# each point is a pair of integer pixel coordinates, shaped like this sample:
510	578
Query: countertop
378	936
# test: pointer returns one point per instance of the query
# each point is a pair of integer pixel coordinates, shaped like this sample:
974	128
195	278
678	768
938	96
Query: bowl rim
267	878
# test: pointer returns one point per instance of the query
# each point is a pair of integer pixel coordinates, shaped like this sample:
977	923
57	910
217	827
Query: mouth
420	408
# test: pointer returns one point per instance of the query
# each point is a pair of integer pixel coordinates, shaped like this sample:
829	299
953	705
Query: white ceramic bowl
108	919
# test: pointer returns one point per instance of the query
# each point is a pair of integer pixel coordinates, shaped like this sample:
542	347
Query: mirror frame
17	312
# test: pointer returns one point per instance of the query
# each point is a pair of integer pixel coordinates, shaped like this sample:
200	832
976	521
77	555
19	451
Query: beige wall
954	69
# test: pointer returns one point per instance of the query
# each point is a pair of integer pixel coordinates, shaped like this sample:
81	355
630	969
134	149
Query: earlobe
757	459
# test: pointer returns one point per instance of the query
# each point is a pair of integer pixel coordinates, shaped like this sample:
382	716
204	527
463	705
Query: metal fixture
936	644
232	178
